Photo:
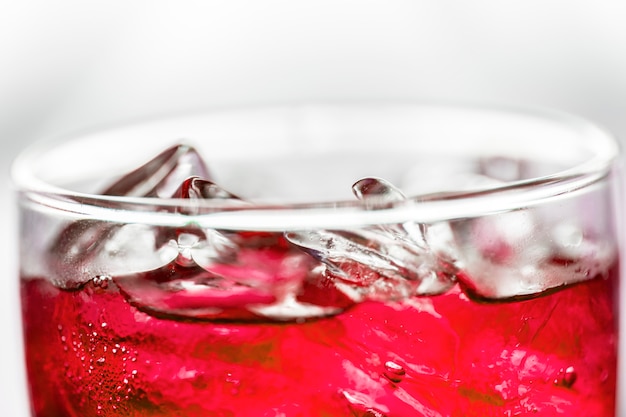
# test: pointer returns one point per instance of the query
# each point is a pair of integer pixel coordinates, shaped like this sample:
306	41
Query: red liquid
90	353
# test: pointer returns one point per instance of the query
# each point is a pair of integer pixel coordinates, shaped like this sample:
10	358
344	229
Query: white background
69	64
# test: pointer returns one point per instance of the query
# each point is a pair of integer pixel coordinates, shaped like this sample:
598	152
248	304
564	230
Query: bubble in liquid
381	262
567	377
394	372
101	281
185	243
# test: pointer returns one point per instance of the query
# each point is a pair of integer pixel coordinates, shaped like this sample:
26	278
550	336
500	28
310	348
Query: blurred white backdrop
70	64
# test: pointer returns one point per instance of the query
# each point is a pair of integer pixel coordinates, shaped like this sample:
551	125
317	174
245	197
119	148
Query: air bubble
394	372
567	377
185	244
101	281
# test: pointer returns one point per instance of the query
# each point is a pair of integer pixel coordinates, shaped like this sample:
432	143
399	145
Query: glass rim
284	215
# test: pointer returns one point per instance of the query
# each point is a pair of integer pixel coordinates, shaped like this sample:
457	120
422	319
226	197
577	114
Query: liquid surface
91	353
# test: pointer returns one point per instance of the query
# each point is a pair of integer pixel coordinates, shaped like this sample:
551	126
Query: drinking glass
372	259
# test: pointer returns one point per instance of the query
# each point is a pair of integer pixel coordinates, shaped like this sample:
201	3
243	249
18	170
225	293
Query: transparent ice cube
85	248
162	175
379	262
516	255
503	256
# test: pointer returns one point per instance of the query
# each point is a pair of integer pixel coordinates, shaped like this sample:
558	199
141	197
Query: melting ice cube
162	175
190	272
378	187
379	262
515	255
202	246
86	248
194	187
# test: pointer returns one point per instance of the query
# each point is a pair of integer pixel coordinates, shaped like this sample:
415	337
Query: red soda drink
161	294
92	353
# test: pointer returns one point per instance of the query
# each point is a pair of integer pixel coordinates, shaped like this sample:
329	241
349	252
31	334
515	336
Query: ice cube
379	262
373	192
83	248
162	175
201	280
87	249
516	255
224	276
191	292
195	187
368	187
196	245
190	271
255	283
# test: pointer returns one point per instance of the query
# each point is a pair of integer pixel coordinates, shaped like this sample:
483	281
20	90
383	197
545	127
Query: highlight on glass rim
323	260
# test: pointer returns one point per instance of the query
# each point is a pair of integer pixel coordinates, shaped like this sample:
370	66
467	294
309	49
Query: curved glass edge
425	209
268	215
